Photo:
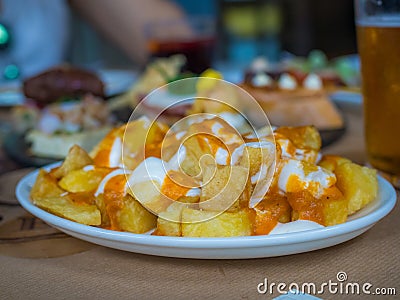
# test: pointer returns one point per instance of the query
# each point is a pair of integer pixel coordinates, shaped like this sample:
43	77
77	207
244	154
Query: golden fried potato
254	157
133	217
225	188
272	209
142	132
303	137
149	194
330	162
65	208
335	208
358	184
169	221
200	223
83	181
101	205
45	187
76	159
328	210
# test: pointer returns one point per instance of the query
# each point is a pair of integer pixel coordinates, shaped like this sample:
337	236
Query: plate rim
387	198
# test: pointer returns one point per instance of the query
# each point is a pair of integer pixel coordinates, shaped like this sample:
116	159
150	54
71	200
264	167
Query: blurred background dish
10	95
227	35
116	81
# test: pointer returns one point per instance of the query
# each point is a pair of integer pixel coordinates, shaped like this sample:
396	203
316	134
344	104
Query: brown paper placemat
86	271
22	234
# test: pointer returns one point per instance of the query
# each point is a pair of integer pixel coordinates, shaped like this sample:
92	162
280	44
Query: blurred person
35	34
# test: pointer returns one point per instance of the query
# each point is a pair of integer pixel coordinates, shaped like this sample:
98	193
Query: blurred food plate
18	149
346	97
11	95
115	81
219	248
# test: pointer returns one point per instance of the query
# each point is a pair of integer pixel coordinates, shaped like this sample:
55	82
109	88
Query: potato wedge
225	188
198	223
169	221
45	187
272	209
331	162
76	159
358	184
101	205
65	208
328	210
82	180
303	137
148	193
133	217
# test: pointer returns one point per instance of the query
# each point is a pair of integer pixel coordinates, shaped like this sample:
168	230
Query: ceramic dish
219	248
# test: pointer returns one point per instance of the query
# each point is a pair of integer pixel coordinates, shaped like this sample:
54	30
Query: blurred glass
378	35
250	29
194	38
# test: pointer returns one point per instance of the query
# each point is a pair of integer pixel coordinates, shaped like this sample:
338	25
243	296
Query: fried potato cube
45	187
83	181
196	147
190	164
149	194
329	209
169	221
101	205
254	157
76	159
272	209
200	223
225	189
358	184
65	208
133	217
142	132
303	137
47	195
330	162
335	208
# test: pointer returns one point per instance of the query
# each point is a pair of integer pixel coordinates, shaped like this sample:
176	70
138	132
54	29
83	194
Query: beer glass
378	40
194	38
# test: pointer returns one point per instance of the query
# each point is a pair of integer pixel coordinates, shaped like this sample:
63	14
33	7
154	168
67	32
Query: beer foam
387	20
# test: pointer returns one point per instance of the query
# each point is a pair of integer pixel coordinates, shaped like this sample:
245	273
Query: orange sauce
272	209
114	192
102	157
306	206
82	197
176	185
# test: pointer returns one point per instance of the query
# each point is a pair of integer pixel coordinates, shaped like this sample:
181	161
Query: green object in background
347	71
185	87
4	37
317	60
11	72
252	20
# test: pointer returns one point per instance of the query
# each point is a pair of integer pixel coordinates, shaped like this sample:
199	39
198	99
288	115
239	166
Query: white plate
346	97
116	81
11	95
219	248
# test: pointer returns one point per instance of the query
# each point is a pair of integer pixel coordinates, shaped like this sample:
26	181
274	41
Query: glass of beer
194	38
378	40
